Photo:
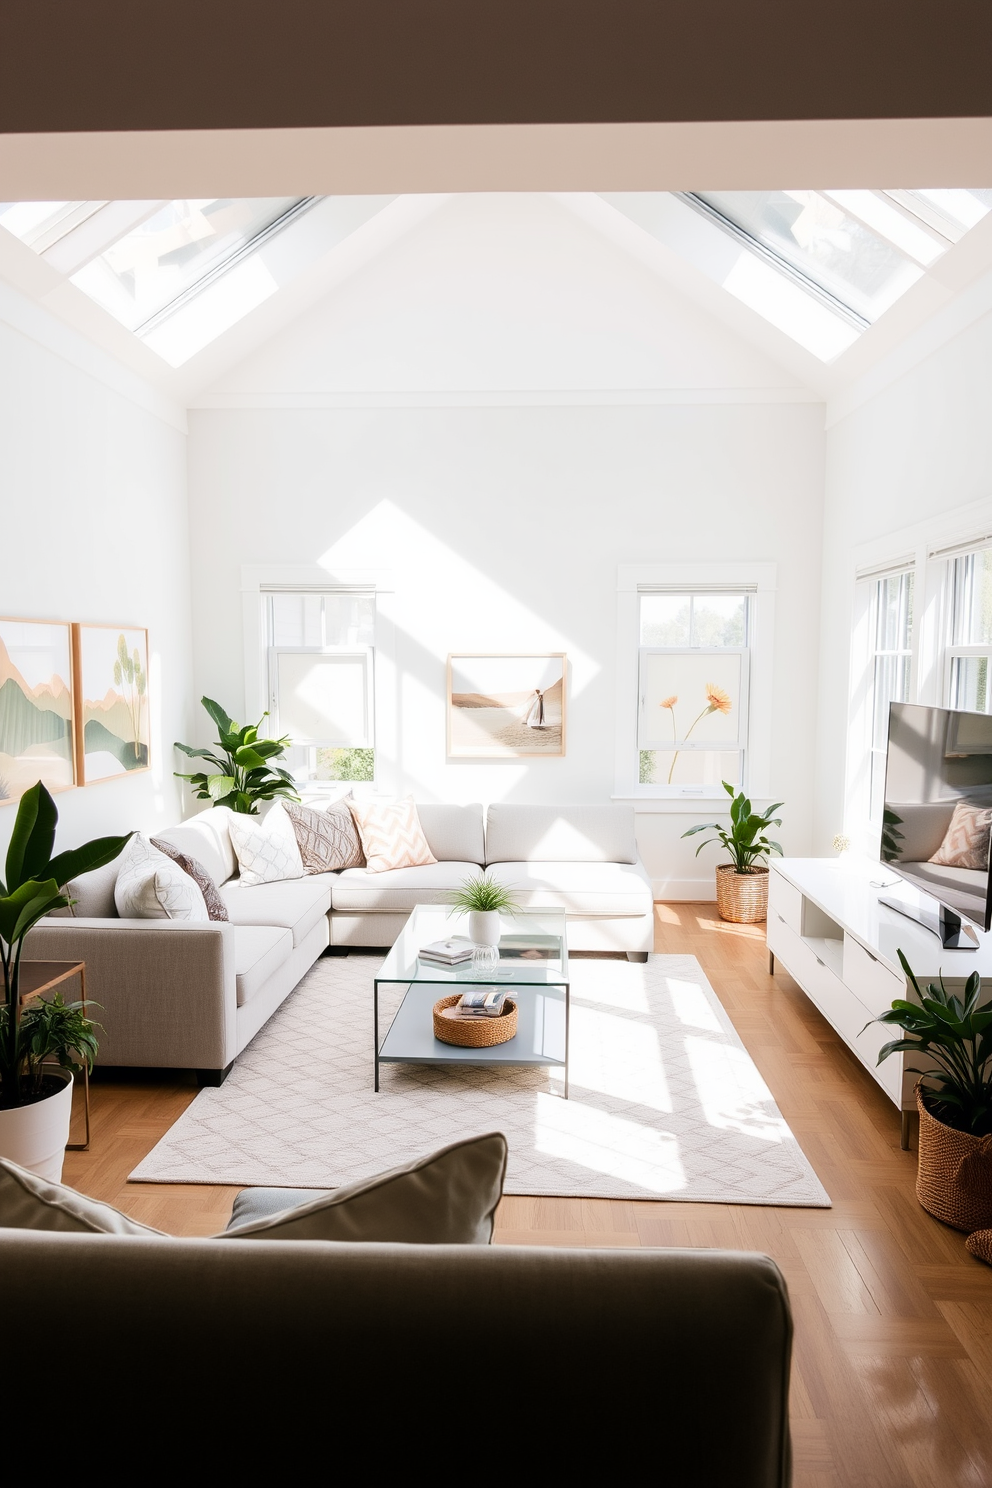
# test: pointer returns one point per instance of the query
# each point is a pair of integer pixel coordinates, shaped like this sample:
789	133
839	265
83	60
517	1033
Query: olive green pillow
448	1198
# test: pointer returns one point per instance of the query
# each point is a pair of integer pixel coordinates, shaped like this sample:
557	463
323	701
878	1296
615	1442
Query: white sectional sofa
192	995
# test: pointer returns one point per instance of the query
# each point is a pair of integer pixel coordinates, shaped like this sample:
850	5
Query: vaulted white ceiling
517	297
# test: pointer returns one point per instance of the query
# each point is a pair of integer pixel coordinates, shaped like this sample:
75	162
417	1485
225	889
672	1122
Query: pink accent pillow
391	834
966	841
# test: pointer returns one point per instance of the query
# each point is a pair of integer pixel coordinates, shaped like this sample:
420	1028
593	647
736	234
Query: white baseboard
684	888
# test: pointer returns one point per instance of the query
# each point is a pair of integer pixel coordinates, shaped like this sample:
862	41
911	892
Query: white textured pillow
150	886
266	847
391	834
28	1202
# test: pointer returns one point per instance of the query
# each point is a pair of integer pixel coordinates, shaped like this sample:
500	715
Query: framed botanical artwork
112	733
506	706
37	740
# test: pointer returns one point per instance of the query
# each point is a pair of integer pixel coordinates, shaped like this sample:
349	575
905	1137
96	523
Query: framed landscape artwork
36	707
506	706
112	733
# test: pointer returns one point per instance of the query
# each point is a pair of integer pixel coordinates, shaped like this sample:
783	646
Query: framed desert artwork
112	733
506	706
36	707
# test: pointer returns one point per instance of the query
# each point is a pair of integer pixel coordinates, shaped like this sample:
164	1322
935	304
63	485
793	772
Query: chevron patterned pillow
966	841
391	834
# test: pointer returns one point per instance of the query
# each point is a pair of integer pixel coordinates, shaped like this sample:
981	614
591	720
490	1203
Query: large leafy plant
33	888
746	841
955	1033
243	774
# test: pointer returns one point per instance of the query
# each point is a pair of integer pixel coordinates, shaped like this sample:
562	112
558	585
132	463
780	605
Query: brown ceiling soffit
70	65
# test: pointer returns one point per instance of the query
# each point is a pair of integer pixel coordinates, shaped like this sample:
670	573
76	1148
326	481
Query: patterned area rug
665	1102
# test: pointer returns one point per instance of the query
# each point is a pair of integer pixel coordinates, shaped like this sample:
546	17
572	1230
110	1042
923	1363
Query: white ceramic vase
483	926
34	1136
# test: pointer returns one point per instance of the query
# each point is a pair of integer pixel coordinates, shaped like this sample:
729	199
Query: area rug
664	1103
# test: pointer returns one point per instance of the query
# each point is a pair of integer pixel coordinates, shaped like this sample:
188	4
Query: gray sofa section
177	994
606	1360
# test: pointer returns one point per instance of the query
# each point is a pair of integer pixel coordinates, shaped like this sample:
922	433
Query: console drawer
869	979
785	901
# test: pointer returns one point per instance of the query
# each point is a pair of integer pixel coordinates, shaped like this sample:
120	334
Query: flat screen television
935	825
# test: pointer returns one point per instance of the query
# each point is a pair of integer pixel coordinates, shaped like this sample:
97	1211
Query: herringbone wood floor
892	1375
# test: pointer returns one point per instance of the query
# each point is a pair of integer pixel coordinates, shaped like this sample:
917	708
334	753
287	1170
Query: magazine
482	1002
451	952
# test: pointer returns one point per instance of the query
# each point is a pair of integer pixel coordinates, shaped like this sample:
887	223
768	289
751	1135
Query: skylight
852	253
175	251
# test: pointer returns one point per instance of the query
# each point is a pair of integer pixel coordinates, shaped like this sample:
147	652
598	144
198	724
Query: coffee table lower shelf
541	1037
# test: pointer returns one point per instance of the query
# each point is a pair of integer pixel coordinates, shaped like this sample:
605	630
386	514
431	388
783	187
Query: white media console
827	927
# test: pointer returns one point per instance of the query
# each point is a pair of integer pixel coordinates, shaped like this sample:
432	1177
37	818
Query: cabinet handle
817	959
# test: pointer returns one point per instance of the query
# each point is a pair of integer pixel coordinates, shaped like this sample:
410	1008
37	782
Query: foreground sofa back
671	1363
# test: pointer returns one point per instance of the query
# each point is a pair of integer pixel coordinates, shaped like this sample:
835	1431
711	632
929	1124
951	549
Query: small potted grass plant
43	1043
483	900
742	884
953	1037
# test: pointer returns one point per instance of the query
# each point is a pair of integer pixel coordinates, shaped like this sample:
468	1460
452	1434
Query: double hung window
320	662
891	629
693	674
969	653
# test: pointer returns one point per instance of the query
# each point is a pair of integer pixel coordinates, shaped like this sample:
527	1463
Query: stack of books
448	952
482	1002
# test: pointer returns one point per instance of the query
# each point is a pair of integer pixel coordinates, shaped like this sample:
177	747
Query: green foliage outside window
345	764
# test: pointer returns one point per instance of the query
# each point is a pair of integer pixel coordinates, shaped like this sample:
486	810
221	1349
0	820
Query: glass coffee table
533	961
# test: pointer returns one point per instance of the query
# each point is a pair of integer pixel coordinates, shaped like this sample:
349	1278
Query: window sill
714	801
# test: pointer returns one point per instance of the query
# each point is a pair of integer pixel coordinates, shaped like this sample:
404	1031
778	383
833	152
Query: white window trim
928	548
258	577
761	580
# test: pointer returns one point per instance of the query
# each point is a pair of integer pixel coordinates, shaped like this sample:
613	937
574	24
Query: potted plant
35	1098
953	1096
242	774
742	884
483	900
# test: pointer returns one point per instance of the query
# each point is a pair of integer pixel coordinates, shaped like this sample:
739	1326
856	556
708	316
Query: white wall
503	528
912	464
501	404
94	528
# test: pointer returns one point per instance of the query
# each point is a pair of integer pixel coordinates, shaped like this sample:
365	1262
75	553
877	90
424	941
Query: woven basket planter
954	1179
474	1033
742	897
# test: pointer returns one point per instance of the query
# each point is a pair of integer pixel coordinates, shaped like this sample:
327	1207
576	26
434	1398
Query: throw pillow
449	1198
216	908
391	834
28	1202
265	847
966	841
328	838
151	886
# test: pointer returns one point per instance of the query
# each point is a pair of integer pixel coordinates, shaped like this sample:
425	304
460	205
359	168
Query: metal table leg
375	1004
83	1146
568	1009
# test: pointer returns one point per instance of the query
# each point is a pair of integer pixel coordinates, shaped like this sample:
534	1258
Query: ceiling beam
113	65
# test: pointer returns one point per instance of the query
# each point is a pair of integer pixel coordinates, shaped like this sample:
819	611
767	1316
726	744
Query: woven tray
473	1033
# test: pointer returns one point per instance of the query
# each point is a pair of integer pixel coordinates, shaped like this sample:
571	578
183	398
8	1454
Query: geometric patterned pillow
966	841
265	846
391	834
328	839
150	886
216	908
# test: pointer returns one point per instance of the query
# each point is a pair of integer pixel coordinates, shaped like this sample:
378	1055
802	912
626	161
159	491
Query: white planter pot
483	926
34	1136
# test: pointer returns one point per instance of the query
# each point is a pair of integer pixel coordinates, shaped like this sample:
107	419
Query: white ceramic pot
483	926
34	1136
